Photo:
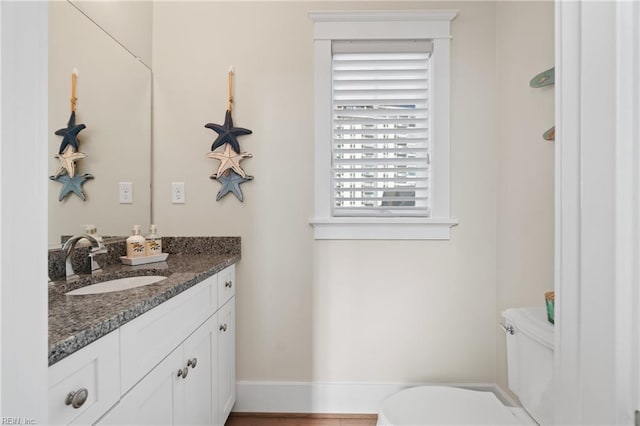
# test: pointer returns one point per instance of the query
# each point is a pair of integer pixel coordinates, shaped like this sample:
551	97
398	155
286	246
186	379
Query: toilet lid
441	405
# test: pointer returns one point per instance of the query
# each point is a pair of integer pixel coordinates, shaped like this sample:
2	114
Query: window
382	125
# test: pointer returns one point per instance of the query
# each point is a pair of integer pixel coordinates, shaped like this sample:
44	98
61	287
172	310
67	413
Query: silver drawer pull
192	362
508	328
183	372
228	284
223	327
76	398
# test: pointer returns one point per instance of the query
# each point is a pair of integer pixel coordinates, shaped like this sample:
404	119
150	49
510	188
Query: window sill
375	228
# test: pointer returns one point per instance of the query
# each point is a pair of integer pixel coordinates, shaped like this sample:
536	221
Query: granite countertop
76	321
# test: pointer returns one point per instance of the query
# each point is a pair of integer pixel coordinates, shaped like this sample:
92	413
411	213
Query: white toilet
530	369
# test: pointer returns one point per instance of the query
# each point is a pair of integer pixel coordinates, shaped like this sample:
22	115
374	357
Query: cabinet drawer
226	284
94	368
146	340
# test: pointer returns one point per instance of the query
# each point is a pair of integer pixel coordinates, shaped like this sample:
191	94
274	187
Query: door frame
597	208
23	211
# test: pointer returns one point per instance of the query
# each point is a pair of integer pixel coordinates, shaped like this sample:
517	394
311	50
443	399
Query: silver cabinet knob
76	398
223	327
228	284
192	362
508	329
183	372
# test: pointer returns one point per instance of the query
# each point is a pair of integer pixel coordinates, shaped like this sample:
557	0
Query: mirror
129	23
114	102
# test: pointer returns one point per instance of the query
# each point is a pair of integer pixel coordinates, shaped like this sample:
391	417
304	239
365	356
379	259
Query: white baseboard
334	398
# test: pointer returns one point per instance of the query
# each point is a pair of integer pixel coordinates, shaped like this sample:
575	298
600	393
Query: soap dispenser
153	242
89	230
135	243
93	231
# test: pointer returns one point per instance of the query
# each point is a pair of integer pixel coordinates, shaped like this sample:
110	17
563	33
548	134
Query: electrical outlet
177	193
126	192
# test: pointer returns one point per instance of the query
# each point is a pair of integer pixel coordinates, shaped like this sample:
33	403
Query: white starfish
68	161
229	159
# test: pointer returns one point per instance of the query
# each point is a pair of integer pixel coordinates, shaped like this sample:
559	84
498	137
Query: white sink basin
116	285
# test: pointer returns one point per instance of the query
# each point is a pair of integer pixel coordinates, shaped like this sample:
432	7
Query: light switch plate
126	192
177	193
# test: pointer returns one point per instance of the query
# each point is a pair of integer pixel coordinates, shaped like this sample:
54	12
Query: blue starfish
70	133
71	184
227	133
231	183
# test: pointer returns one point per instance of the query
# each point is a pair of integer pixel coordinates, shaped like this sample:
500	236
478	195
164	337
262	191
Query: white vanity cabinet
176	361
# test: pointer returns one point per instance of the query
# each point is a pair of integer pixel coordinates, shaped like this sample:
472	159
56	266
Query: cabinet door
92	371
200	394
146	340
156	400
226	359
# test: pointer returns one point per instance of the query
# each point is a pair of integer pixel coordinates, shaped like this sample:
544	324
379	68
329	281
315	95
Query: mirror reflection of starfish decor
69	152
230	174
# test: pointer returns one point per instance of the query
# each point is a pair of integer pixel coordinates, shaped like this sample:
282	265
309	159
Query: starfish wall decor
69	153
230	174
227	133
231	182
229	160
70	133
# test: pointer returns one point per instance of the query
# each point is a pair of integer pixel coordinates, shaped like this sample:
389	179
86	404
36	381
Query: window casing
382	125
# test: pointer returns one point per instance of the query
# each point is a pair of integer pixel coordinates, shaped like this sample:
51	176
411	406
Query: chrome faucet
97	247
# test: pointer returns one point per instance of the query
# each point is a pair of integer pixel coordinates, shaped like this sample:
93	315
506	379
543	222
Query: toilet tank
530	360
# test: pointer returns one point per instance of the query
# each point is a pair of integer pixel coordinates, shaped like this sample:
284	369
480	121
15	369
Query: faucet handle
98	250
95	266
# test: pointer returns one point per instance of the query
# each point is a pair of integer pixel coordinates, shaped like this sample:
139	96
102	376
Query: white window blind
381	128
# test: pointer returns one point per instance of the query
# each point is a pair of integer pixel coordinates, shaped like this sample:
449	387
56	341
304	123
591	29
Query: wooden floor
271	419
